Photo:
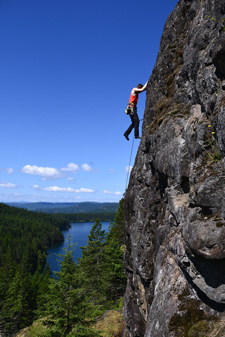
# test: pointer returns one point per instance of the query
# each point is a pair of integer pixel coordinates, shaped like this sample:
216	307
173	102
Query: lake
79	232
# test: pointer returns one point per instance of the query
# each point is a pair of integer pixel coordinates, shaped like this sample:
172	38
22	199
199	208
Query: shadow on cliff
208	273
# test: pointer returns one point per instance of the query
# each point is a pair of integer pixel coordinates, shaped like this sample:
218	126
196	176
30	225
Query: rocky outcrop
175	202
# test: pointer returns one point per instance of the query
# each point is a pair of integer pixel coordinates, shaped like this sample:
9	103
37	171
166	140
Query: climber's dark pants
135	124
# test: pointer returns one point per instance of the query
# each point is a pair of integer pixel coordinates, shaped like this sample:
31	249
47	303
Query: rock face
175	202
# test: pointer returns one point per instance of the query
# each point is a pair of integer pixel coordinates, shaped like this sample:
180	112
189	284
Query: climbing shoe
126	136
137	137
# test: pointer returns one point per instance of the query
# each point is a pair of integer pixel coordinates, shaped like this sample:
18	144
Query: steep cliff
174	205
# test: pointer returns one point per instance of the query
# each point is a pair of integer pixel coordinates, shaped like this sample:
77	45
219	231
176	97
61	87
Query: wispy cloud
7	185
84	190
9	170
71	167
87	167
117	193
109	192
70	178
64	189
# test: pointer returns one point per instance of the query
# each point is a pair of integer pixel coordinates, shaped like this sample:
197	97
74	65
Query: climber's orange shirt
133	99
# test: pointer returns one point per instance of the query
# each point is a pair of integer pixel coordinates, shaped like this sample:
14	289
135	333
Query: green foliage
114	251
216	157
83	331
116	229
65	305
91	265
24	238
113	269
200	329
26	233
104	281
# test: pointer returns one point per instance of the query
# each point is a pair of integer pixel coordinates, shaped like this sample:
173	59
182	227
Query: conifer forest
68	302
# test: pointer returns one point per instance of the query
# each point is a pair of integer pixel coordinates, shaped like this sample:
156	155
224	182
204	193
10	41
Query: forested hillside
68	304
68	207
24	239
88	217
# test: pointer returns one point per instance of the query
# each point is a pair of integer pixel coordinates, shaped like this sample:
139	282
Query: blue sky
67	69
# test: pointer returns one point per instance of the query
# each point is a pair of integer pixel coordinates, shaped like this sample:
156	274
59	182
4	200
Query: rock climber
131	110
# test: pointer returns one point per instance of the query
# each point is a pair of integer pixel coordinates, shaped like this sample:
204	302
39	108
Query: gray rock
174	205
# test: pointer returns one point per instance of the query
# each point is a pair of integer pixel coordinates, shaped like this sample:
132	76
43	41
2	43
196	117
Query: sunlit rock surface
175	202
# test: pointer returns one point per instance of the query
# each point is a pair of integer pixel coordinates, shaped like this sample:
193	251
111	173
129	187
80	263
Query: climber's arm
140	89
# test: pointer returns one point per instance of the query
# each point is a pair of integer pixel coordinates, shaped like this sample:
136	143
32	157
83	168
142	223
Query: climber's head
139	86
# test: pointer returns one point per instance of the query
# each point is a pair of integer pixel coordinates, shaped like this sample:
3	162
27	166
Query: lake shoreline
79	232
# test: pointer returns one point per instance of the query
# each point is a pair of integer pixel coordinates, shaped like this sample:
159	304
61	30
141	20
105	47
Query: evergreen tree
40	288
64	306
91	264
116	229
78	290
24	239
7	272
113	270
113	252
18	308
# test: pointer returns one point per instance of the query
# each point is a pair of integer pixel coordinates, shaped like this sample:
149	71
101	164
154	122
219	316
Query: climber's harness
130	109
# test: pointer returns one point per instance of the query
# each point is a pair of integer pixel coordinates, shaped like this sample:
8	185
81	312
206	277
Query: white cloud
128	168
84	190
107	192
8	170
112	170
64	189
45	172
71	167
7	185
115	193
48	173
86	167
58	189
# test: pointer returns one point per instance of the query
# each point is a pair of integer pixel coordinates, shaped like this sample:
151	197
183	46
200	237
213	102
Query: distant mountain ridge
68	207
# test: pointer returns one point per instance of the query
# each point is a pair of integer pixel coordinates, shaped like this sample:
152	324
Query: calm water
79	234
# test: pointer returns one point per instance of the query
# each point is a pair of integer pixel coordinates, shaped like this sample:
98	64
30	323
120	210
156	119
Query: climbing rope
124	240
128	171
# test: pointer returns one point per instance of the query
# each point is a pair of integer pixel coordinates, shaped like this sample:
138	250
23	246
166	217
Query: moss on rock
191	320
